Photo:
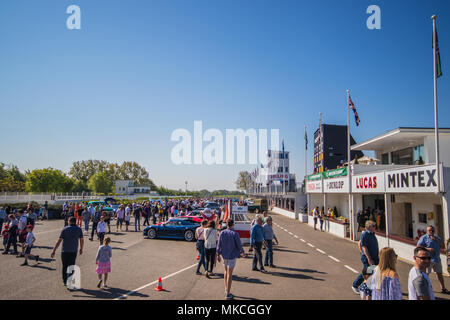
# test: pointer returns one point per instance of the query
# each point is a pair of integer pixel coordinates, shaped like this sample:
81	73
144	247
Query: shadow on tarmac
292	251
42	267
110	293
293	275
241	279
117	248
300	270
42	247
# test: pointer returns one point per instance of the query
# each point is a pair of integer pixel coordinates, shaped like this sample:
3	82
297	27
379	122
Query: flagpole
436	127
349	171
306	159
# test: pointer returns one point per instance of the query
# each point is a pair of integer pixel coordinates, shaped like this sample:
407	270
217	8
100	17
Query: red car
192	218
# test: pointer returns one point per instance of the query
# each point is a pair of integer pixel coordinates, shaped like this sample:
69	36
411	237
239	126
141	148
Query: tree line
96	176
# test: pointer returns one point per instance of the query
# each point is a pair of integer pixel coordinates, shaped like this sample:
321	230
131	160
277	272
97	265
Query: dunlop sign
417	179
336	185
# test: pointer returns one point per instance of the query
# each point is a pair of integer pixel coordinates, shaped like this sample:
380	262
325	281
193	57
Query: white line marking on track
291	233
302	240
154	282
331	257
320	251
351	269
295	236
309	244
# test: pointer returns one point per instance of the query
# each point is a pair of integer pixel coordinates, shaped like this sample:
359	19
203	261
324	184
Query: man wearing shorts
230	248
434	244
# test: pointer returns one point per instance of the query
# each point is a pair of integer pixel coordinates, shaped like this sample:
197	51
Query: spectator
45	211
369	252
211	236
5	235
137	218
101	229
385	280
230	248
200	245
127	217
434	244
365	291
69	237
29	245
419	285
315	216
269	236
103	261
3	218
86	218
12	234
120	214
22	229
321	217
256	241
95	220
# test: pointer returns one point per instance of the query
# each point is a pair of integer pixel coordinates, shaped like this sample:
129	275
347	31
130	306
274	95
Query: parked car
212	205
173	229
106	207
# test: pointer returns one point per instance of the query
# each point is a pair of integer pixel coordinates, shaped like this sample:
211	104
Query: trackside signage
336	185
368	183
417	179
314	186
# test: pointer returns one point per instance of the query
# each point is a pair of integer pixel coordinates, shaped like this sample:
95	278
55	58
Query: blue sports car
173	229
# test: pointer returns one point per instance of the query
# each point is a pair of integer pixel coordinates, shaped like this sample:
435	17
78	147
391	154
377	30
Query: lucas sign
417	179
368	183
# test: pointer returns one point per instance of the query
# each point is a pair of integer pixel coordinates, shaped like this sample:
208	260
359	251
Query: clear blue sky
137	70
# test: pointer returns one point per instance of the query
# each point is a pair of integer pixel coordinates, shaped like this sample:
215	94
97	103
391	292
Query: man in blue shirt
256	241
229	246
369	252
434	244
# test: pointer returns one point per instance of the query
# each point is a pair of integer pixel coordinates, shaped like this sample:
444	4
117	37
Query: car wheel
151	233
189	235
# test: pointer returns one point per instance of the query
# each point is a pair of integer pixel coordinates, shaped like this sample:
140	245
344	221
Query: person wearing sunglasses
419	285
433	244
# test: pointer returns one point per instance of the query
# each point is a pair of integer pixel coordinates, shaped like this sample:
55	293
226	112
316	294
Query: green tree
48	180
242	182
100	183
130	170
8	184
80	186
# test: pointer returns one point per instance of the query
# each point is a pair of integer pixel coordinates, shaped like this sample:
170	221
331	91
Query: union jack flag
351	105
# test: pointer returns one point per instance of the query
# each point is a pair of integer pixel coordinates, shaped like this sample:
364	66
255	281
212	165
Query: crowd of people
379	279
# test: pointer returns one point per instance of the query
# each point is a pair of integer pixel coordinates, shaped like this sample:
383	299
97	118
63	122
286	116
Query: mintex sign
416	179
368	183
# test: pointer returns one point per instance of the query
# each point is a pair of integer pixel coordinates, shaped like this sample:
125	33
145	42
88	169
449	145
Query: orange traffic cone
159	287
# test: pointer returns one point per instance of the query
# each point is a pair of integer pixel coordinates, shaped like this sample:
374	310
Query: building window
404	156
385	158
423	218
418	155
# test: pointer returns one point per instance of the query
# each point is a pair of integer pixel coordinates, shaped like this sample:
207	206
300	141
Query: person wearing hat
29	241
